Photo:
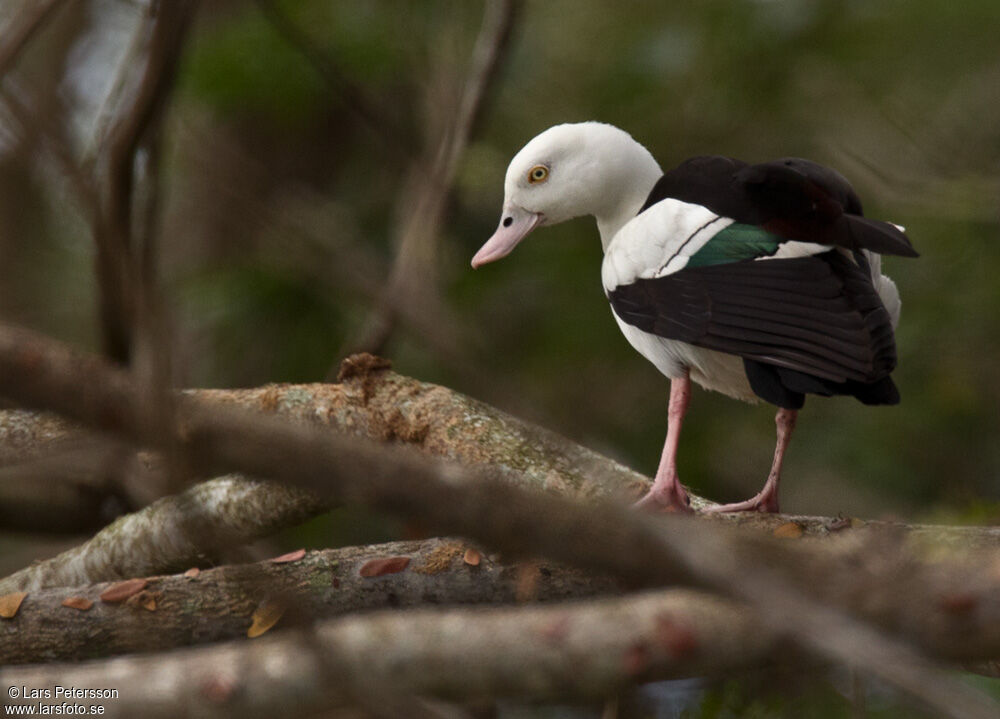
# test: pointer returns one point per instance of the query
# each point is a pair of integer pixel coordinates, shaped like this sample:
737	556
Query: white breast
659	242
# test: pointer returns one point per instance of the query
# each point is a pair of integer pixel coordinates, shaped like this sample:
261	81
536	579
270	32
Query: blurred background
273	184
313	178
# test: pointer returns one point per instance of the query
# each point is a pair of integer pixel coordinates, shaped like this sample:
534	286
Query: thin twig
413	277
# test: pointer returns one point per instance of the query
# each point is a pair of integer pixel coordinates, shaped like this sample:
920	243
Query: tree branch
462	654
370	401
173	533
119	267
374	402
793	586
218	604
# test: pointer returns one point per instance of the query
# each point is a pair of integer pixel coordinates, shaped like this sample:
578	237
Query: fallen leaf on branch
10	603
192	572
472	557
788	530
290	557
123	590
265	617
81	603
387	565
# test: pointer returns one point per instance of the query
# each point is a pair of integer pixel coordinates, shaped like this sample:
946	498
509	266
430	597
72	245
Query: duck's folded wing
817	314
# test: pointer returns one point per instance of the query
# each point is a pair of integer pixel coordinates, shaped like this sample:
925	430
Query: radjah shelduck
758	281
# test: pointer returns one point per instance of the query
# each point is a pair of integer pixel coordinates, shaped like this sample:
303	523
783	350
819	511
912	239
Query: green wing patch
736	243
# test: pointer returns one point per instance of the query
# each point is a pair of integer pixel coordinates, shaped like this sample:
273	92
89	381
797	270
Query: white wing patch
885	287
794	248
659	242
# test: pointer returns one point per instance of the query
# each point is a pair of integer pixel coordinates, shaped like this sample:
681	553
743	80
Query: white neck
609	223
628	195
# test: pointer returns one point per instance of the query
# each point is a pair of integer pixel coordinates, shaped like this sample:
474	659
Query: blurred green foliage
283	205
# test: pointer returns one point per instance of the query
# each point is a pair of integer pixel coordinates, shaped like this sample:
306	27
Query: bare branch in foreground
371	402
368	402
581	650
218	604
374	402
603	536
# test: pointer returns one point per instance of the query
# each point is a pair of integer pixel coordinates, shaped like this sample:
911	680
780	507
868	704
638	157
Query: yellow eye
538	173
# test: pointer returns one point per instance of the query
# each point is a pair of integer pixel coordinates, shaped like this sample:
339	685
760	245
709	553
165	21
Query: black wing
808	324
792	198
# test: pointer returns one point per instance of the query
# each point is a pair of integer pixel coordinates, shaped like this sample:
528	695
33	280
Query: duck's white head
586	168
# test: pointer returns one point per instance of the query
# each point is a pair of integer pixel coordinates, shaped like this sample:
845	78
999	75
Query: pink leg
667	494
767	499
